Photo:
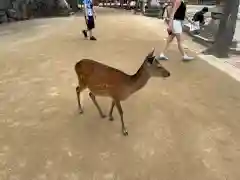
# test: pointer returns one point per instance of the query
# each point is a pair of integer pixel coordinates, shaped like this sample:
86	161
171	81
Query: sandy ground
186	127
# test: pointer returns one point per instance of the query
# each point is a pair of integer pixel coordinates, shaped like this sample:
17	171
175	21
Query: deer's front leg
92	96
111	111
79	89
119	107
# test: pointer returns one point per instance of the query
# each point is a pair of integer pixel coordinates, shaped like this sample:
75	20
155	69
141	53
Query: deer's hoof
80	111
125	132
111	118
103	116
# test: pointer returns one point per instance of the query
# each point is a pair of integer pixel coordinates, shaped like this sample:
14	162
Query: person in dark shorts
199	16
90	16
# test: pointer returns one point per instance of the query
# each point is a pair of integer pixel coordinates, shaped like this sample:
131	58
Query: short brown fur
103	80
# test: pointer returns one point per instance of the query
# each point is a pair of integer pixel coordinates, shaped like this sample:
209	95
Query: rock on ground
25	9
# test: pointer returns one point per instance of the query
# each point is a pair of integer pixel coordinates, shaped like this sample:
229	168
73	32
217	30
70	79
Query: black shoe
93	38
84	33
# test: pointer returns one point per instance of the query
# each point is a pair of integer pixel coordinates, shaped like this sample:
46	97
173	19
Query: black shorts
90	22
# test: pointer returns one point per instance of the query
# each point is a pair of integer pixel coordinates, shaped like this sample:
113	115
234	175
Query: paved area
185	127
192	9
233	61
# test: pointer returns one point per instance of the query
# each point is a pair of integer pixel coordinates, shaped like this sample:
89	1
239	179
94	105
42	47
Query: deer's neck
139	79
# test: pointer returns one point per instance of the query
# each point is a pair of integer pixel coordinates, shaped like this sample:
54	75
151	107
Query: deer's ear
151	53
151	59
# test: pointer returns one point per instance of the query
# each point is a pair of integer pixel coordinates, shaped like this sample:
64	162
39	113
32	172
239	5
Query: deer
106	81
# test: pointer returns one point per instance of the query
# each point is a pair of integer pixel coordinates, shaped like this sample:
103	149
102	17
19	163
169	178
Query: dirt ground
186	127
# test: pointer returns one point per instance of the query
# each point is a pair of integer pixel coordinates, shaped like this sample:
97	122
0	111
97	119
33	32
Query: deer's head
153	67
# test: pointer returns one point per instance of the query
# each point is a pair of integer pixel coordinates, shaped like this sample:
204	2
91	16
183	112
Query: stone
3	17
152	11
206	36
25	9
12	14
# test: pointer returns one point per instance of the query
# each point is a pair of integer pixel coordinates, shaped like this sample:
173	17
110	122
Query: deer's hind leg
79	89
119	107
92	96
111	111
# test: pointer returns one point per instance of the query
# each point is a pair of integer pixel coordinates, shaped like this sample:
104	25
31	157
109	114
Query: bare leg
162	55
169	40
180	47
79	89
124	130
111	111
85	31
92	96
90	33
163	11
179	42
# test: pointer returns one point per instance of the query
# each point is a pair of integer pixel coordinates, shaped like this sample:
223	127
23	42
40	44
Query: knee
179	43
179	40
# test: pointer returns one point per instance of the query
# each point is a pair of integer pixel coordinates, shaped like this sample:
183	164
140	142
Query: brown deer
103	80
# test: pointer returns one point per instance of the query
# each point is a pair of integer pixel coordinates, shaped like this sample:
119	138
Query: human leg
180	48
162	55
177	30
85	30
91	26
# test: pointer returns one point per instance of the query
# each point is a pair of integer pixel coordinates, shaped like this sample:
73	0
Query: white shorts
177	26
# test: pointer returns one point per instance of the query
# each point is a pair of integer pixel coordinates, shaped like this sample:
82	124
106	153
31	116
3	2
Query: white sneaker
161	57
187	58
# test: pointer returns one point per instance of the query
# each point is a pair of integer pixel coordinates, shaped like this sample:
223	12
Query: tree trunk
226	30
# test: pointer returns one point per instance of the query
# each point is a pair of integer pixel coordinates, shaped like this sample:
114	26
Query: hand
170	23
192	22
169	32
169	29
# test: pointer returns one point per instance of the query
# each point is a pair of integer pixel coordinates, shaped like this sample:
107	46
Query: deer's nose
167	74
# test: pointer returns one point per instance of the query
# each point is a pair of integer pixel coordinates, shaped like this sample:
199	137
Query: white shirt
88	7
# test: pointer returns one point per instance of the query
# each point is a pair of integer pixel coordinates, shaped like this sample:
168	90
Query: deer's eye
151	59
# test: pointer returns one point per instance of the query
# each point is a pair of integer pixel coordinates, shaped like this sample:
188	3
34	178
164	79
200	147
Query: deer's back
103	80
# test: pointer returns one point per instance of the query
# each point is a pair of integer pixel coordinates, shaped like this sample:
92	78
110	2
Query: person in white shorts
175	29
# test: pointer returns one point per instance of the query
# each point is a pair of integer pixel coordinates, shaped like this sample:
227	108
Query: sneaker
84	33
93	38
161	57
187	58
